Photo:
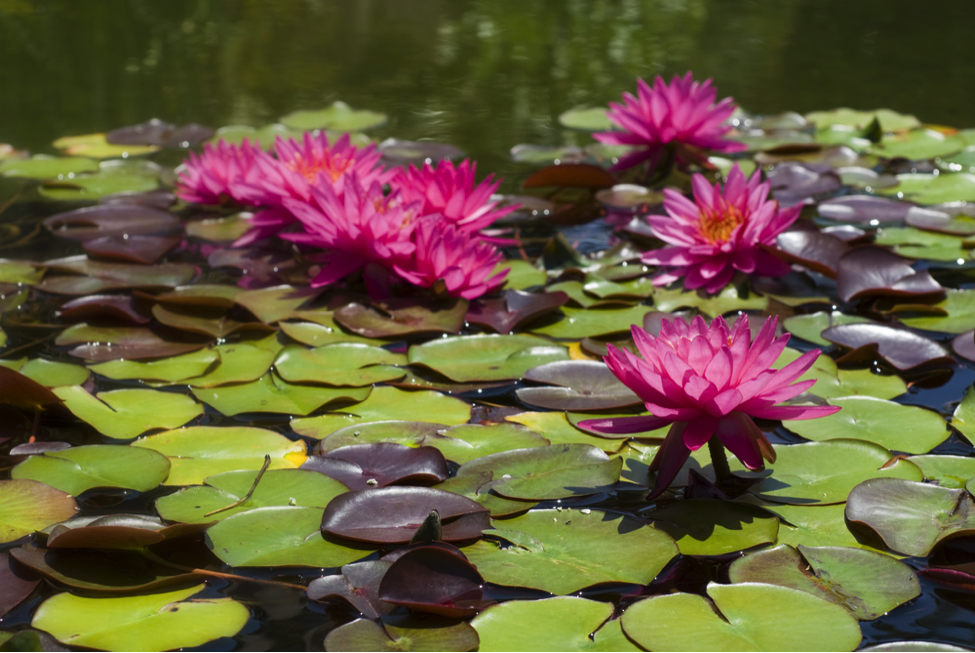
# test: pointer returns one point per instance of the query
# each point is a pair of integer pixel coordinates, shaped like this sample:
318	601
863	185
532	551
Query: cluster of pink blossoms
424	231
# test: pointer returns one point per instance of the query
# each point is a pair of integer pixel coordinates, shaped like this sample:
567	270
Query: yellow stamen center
717	227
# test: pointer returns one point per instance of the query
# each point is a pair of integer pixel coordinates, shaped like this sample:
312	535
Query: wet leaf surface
27	505
78	469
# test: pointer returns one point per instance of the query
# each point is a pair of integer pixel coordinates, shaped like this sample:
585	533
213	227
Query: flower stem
719	460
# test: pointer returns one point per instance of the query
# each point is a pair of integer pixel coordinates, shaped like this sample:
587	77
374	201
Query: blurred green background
481	74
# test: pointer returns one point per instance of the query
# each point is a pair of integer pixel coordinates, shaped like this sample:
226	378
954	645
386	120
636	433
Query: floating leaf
934	189
810	326
467	442
586	385
711	527
903	349
277	303
572	552
589	119
152	622
78	469
128	413
890	121
712	306
175	368
93	222
358	583
96	146
19	390
27	506
338	116
277	487
201	451
832	382
744	617
239	363
559	429
402	317
113	177
411	434
434	579
90	277
41	166
911	517
341	364
891	425
16	584
486	357
964	416
115	343
271	394
361	466
516	308
919	144
871	271
402	635
384	403
960	308
521	275
578	323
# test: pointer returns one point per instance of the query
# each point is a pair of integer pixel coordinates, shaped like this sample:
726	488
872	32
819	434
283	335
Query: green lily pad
410	434
574	289
964	416
572	551
891	425
78	469
919	144
27	506
95	146
398	634
338	116
920	244
476	487
113	177
239	363
128	413
552	472
710	527
744	617
578	323
521	275
272	304
833	382
948	471
563	623
889	120
589	119
341	364
319	335
809	327
173	369
960	306
271	394
219	230
155	622
640	288
910	517
49	373
466	442
814	525
933	189
866	583
19	272
41	166
486	357
278	487
726	301
388	403
265	136
279	536
201	451
558	429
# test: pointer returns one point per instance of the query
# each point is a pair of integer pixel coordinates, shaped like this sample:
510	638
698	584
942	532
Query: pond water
483	76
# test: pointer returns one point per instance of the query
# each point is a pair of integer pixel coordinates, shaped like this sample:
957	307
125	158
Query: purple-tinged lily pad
159	133
357	583
391	515
585	385
23	392
119	309
90	277
903	349
103	220
213	322
964	345
793	182
364	466
516	308
911	518
871	271
629	198
435	580
402	317
864	209
131	249
117	531
16	583
260	267
812	249
940	222
396	152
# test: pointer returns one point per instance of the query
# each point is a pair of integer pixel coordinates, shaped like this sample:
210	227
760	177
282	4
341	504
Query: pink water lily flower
461	261
218	173
450	191
708	381
361	230
721	231
682	112
297	166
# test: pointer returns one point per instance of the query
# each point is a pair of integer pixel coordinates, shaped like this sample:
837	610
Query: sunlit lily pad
403	317
933	189
277	487
744	617
338	116
78	469
590	119
27	506
112	177
964	416
960	306
712	527
20	272
41	166
948	471
402	634
466	442
727	300
560	429
564	623
571	551
385	403
919	144
128	413
50	373
891	425
341	364
889	120
155	622
172	369
810	326
411	434
911	517
95	145
477	487
521	274
814	525
239	363
279	536
271	394
486	357
365	466
833	382
584	385
201	451
580	323
277	303
265	136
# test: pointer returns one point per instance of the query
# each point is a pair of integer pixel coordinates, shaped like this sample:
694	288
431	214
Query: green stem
719	460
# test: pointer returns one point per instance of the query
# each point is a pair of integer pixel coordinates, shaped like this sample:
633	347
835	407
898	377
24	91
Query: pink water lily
297	166
450	191
683	113
708	381
445	254
722	230
219	173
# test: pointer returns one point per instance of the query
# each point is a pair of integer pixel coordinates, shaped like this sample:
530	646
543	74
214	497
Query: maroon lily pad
91	277
202	294
34	448
793	182
903	349
131	343
261	267
964	345
940	222
115	308
871	271
159	199
118	531
364	466
847	233
955	577
157	132
94	222
358	583
132	249
811	249
437	580
504	315
571	175
402	317
16	583
391	515
864	209
24	392
585	385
